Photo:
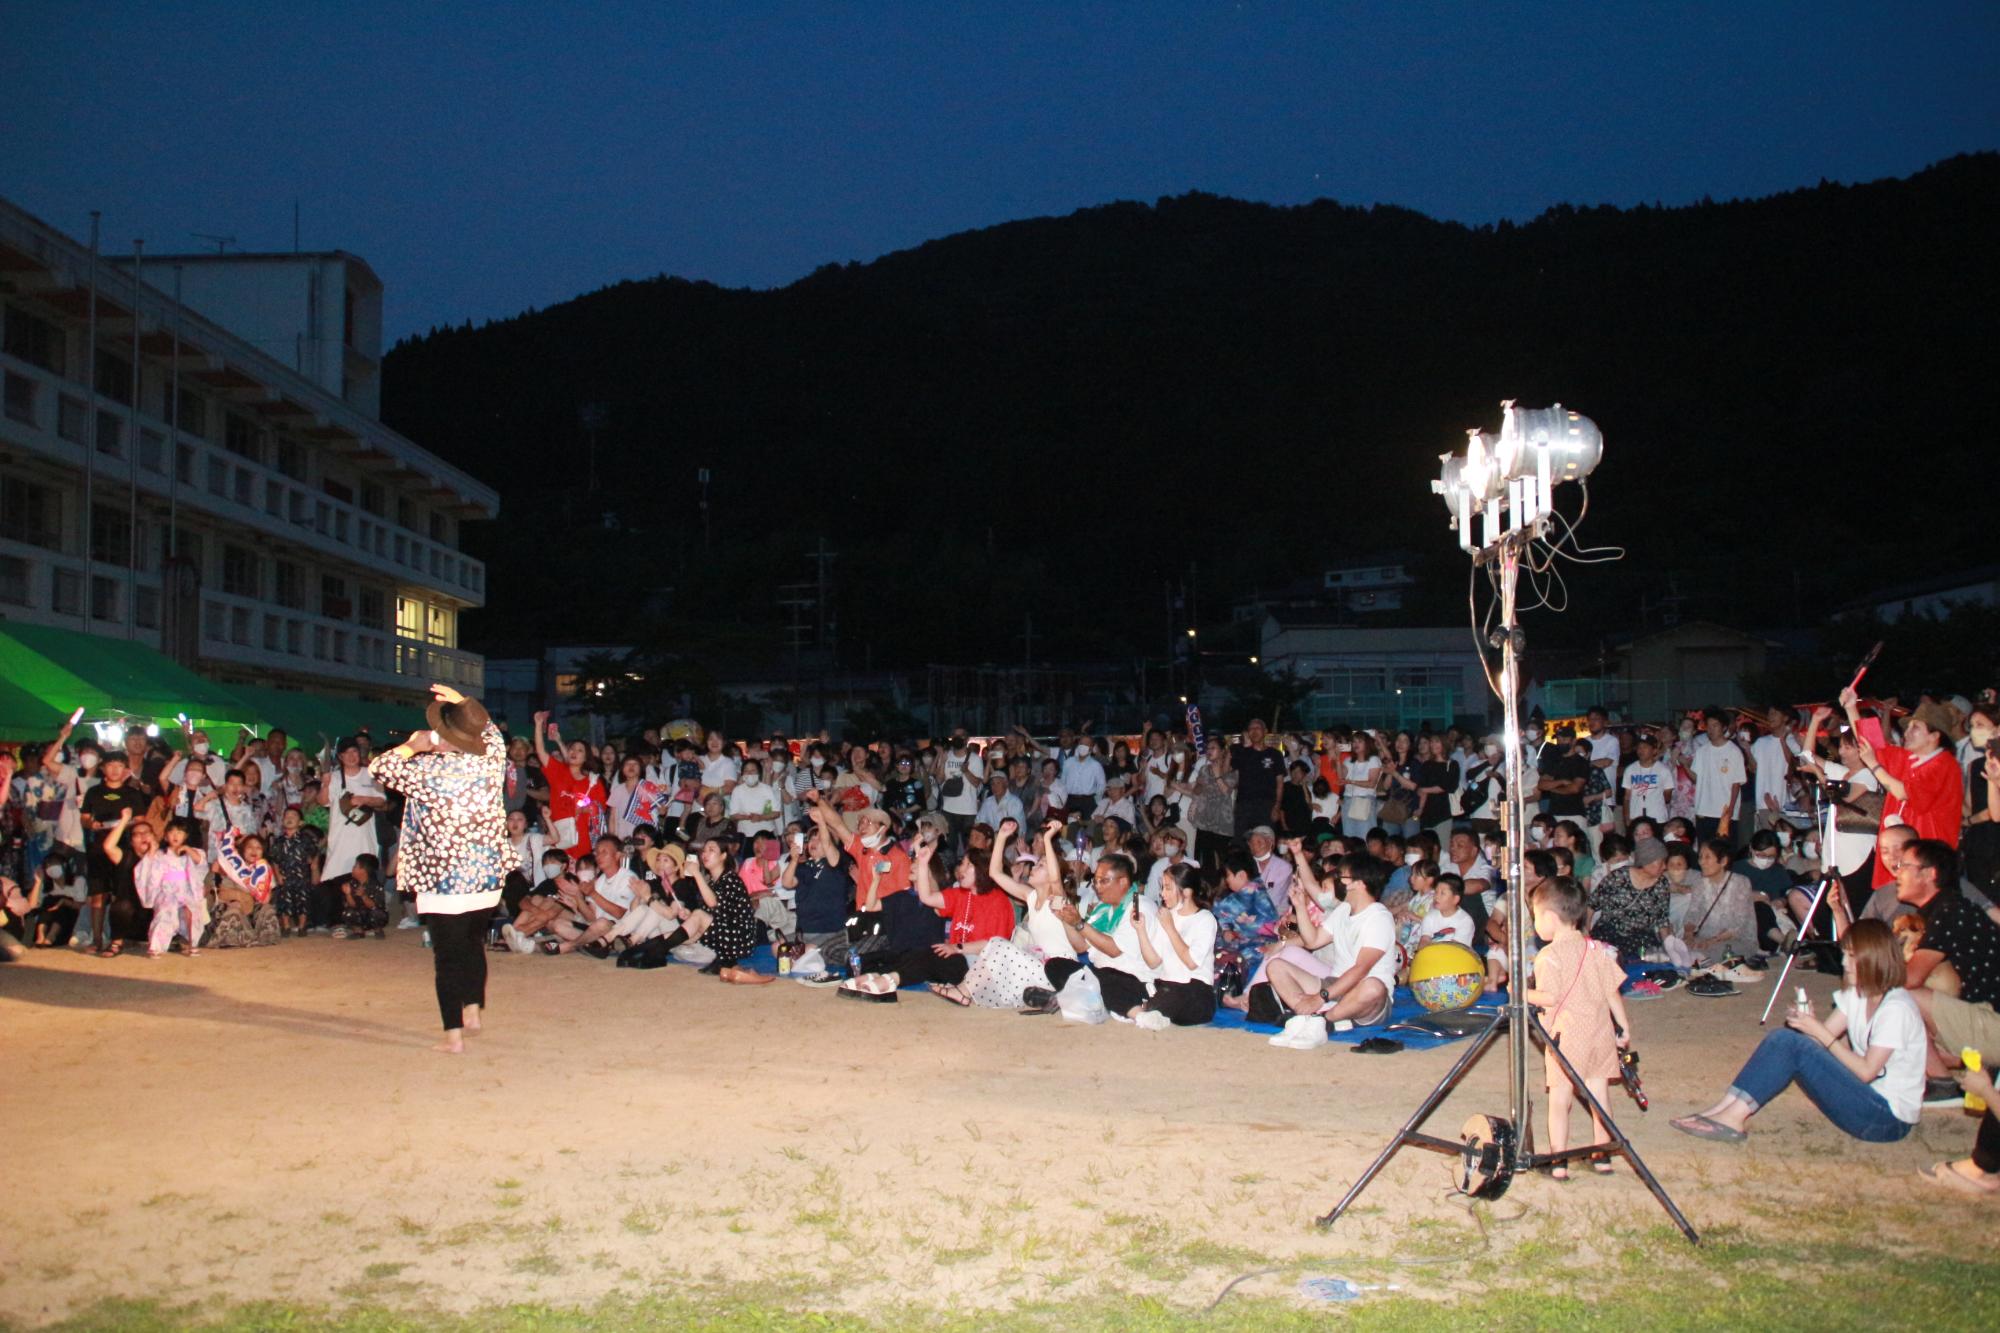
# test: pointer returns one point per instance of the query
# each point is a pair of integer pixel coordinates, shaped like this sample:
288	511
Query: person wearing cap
1920	778
1273	870
1630	903
1000	802
880	867
454	846
1117	802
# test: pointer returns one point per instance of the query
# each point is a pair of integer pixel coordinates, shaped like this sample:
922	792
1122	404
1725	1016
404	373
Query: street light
1508	480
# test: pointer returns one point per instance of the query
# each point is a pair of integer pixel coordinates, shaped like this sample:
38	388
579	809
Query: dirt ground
271	1124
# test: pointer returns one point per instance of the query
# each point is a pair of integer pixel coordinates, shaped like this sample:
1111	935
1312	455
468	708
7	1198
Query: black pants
1986	1146
1122	990
1209	847
1188	1003
458	948
920	964
1710	826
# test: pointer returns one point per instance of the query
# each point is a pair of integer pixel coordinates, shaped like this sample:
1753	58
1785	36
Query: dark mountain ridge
1060	415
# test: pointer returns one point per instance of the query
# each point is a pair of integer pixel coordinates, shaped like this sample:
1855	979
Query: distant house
1355	589
1664	672
1931	597
1377	675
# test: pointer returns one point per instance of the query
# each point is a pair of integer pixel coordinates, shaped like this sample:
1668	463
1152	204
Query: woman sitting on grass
1004	970
1178	945
1870	1085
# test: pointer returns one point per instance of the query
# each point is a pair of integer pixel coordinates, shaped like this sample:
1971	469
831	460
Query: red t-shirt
976	916
889	862
1934	803
571	797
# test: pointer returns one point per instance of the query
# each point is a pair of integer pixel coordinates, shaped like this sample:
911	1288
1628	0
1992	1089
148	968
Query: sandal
1559	1174
551	947
1601	1164
947	990
1701	1127
1949	1177
112	950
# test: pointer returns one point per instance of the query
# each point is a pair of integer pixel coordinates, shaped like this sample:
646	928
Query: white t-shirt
1457	927
1850	850
1717	768
1373	927
1197	931
1158	872
1126	937
1897	1025
719	770
1606	746
760	799
621	889
972	770
1158	768
1773	760
1358	793
1648	788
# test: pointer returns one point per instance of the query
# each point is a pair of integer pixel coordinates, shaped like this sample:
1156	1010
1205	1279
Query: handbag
954	787
1395	810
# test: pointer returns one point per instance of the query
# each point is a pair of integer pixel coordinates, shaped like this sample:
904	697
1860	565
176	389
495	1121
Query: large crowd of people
1166	874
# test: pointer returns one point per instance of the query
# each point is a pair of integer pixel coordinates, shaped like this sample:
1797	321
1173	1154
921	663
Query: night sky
485	158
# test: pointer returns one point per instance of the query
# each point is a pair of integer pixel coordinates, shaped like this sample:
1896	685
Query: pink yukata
172	886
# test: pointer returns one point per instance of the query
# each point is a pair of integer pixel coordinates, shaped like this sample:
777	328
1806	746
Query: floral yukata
171	885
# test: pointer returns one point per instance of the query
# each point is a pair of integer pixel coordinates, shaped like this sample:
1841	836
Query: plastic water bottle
1330	1289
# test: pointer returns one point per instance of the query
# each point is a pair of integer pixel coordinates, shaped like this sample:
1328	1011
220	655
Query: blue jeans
1785	1057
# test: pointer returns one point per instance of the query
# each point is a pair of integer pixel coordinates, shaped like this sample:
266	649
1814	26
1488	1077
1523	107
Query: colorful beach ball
1446	976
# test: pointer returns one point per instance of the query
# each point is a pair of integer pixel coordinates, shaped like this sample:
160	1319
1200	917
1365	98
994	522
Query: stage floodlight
1571	441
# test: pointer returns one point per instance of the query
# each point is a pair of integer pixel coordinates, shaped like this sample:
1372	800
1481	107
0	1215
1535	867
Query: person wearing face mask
753	802
200	753
1979	840
880	868
1083	778
1771	884
1275	871
557	893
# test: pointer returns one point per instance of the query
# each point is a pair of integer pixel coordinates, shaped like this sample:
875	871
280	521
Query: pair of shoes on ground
875	987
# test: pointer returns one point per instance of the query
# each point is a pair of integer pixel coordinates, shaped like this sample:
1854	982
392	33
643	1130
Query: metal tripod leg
1792	953
1409	1132
1620	1144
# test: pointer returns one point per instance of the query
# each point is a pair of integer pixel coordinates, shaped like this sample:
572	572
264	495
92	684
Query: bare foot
453	1043
471	1018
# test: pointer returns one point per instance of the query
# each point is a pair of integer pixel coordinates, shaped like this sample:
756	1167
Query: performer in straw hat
455	849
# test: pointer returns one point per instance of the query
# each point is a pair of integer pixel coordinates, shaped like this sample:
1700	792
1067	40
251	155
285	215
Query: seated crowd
1295	875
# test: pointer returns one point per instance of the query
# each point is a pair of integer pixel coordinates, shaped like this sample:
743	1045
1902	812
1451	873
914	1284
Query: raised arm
923	881
996	865
542	725
109	846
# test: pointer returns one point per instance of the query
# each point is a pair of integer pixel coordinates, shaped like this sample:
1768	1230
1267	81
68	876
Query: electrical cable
1452	1192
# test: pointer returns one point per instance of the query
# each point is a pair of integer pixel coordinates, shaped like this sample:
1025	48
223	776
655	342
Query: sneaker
516	941
409	922
1117	1017
1153	1020
340	932
1707	987
1303	1032
1943	1092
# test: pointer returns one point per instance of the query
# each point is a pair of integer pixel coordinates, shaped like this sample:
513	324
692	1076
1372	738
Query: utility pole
796	598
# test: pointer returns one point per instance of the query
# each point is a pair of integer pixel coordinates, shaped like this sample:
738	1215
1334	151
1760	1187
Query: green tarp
24	717
306	717
111	678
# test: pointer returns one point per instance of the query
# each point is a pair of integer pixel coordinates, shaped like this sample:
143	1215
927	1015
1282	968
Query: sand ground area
271	1124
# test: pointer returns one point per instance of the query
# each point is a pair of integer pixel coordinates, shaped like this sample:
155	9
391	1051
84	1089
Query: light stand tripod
1826	818
1527	497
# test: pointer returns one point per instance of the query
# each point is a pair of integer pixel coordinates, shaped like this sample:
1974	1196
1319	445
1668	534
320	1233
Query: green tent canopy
305	717
23	717
111	678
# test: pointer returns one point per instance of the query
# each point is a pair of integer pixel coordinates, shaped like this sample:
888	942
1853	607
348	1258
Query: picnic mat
1403	1007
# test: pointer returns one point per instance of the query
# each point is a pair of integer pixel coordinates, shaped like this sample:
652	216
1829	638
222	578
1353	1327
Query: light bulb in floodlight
1478	473
152	730
1450	483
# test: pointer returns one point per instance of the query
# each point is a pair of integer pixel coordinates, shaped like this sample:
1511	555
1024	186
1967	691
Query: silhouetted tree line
1060	416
